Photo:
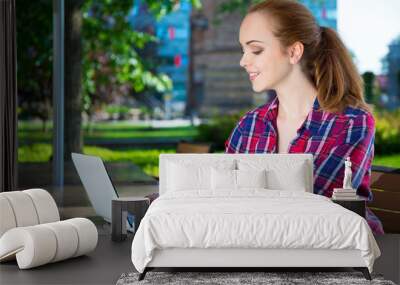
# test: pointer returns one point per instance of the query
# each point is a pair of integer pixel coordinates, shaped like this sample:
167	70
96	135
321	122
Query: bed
241	210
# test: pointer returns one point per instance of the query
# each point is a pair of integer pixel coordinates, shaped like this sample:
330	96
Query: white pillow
223	179
183	178
251	179
185	175
292	179
282	174
228	179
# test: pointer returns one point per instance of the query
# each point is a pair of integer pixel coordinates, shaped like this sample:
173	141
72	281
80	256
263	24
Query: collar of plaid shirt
313	126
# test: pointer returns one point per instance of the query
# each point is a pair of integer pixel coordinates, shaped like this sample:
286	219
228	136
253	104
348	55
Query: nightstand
137	206
356	205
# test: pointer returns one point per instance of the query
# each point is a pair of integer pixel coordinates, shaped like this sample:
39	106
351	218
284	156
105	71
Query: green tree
113	65
101	51
34	55
369	79
110	64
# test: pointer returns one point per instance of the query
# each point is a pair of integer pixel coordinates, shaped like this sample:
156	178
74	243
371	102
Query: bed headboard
285	163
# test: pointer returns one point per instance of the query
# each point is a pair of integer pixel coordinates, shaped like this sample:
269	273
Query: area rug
230	278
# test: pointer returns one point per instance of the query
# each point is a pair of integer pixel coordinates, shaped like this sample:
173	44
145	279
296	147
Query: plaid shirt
329	137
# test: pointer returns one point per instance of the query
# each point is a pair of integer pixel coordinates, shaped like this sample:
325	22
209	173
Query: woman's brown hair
325	60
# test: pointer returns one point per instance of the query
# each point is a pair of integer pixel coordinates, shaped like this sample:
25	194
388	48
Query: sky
367	27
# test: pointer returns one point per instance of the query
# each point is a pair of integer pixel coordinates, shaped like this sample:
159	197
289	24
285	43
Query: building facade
393	74
202	56
174	33
220	85
171	53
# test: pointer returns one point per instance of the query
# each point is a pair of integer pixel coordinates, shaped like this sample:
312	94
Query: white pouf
31	230
7	218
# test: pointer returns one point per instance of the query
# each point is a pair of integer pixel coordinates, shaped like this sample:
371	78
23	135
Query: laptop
98	185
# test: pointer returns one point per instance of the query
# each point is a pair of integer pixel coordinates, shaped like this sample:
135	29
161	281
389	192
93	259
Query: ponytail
335	76
325	61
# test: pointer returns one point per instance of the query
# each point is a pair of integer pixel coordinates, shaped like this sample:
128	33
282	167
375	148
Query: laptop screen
96	182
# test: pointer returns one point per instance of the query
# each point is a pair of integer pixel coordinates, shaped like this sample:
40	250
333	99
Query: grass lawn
32	131
392	160
145	158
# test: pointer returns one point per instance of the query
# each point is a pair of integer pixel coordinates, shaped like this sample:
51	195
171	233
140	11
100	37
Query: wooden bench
385	186
188	147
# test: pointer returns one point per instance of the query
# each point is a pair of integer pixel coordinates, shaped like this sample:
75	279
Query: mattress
251	219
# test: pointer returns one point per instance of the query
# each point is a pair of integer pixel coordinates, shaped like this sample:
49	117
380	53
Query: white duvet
253	218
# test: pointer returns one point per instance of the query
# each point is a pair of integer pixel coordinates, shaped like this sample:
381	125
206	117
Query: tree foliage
111	61
369	79
34	57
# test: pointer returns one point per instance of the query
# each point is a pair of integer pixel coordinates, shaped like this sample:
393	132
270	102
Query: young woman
318	105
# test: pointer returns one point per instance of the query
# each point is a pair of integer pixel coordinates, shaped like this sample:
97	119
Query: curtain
8	97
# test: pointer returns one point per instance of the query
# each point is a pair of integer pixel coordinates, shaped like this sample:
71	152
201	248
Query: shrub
39	152
387	132
218	130
119	112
